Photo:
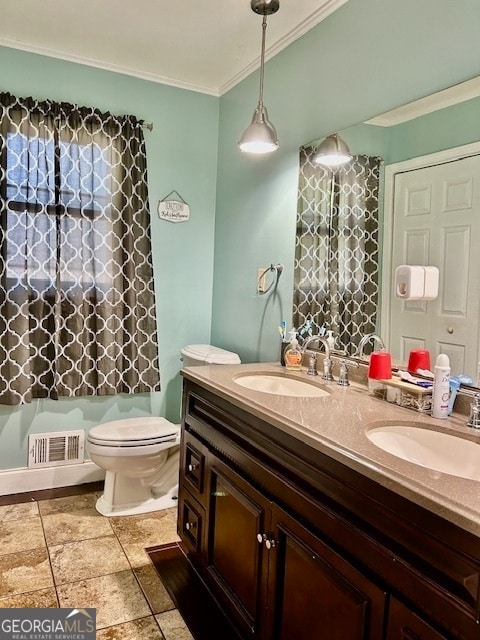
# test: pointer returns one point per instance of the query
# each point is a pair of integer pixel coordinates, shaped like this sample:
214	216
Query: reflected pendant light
333	152
260	136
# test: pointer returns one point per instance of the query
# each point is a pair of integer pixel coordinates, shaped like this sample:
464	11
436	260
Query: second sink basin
432	449
280	385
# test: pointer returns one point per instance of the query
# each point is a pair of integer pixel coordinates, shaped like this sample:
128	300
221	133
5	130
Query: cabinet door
314	593
403	624
237	520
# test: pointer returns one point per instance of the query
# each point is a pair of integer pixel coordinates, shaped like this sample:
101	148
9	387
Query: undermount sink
432	449
280	385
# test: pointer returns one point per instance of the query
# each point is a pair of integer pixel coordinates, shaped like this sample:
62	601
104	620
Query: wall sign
173	209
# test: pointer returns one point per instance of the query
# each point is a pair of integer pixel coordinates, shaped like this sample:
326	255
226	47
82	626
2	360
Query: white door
436	221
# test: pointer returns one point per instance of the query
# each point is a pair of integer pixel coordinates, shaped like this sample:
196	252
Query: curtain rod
148	125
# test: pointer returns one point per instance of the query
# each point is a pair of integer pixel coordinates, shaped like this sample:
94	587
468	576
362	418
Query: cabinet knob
191	467
450	330
190	525
269	542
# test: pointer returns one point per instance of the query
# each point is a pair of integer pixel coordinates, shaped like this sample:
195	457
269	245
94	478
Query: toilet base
125	496
166	501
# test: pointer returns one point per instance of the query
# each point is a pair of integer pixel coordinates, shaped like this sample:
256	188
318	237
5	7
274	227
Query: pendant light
333	152
260	136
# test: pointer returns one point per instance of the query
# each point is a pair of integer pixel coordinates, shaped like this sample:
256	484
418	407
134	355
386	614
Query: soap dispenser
293	356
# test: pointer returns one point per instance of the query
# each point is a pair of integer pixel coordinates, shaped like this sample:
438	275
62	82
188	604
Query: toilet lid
134	432
209	354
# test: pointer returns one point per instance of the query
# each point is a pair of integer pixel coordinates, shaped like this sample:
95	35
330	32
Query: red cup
418	359
380	365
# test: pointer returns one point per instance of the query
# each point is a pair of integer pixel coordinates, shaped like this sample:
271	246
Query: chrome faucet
369	336
474	420
312	363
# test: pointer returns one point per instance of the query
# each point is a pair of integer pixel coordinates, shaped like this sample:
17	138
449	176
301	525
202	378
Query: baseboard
24	479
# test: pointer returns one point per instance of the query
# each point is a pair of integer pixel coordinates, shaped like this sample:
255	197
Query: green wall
366	58
444	129
182	155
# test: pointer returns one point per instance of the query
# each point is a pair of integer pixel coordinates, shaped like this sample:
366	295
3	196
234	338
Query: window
77	306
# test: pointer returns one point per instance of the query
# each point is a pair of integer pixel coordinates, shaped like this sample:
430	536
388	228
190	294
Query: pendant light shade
333	152
261	136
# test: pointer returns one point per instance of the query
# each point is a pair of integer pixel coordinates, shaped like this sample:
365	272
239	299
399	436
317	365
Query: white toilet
141	455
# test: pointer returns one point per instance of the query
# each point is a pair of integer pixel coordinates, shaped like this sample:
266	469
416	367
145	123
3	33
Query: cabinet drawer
403	624
191	522
194	465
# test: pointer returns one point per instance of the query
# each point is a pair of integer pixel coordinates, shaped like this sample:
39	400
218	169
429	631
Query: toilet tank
194	355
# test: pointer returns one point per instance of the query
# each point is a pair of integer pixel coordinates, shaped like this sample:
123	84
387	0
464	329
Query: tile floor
63	553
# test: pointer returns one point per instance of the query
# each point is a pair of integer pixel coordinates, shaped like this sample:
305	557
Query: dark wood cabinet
260	559
295	546
313	592
238	515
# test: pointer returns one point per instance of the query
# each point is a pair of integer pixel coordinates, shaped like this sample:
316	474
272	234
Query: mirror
438	129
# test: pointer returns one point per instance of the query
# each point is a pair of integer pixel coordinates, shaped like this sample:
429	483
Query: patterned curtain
77	305
336	253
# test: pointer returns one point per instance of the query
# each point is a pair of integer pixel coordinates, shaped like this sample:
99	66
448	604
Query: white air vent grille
54	449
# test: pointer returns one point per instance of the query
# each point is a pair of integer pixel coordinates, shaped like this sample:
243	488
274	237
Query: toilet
141	455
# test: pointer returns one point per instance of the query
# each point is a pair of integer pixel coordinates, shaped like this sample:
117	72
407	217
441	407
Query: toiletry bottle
441	387
330	339
293	356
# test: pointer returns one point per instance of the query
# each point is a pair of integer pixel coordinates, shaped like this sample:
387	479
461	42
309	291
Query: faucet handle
343	380
474	420
327	369
312	364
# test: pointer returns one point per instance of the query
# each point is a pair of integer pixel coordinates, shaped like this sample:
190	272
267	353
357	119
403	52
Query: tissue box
402	393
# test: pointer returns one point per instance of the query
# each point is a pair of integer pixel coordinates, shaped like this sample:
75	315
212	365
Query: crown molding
439	100
327	8
99	64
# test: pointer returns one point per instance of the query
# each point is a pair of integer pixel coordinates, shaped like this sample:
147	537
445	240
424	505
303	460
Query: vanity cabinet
294	545
313	592
276	578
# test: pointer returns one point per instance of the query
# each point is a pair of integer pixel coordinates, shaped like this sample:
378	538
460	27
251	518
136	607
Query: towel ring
277	269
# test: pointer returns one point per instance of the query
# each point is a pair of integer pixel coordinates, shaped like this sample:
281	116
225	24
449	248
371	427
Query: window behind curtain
337	248
77	306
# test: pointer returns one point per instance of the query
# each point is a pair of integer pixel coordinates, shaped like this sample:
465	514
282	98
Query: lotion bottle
441	387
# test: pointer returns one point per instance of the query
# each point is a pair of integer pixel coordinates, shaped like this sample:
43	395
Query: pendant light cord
262	60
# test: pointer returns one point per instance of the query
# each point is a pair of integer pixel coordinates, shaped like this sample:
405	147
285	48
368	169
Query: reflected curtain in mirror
77	305
337	248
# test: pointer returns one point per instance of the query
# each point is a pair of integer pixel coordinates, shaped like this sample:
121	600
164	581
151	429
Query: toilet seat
134	432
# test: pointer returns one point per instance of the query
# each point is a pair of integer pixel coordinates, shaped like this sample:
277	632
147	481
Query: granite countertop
336	426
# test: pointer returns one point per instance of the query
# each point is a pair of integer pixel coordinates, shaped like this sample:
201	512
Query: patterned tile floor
63	553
